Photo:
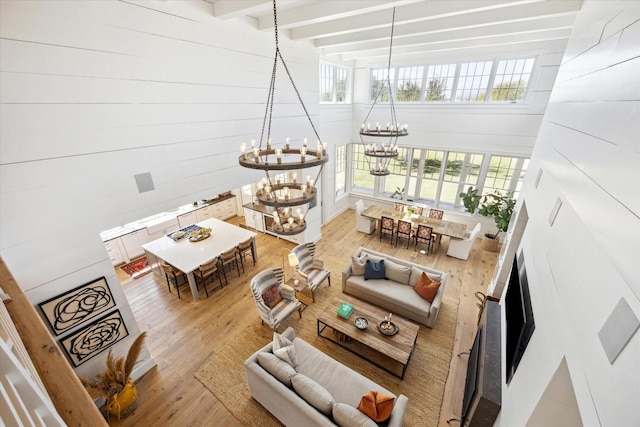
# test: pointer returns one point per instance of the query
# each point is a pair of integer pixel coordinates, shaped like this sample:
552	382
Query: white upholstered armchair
310	268
275	301
460	248
363	224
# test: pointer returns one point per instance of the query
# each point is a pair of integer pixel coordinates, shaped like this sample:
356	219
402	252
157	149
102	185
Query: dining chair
399	207
419	210
173	276
245	249
205	271
404	231
435	213
387	226
228	259
424	234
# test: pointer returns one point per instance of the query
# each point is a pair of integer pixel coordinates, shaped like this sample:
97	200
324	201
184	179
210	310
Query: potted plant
497	205
115	384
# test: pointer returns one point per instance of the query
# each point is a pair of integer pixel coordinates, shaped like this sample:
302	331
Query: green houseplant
497	205
114	384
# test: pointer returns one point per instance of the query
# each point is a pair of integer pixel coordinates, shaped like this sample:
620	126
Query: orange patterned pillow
376	406
426	287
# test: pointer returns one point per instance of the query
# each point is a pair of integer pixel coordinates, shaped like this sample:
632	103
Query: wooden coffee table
391	353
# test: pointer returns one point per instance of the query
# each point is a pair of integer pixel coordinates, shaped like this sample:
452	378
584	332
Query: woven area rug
424	382
137	268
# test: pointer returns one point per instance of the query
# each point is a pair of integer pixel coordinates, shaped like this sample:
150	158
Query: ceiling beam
228	9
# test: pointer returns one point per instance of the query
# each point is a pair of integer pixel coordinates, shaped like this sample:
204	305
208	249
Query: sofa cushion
376	405
347	416
416	273
426	287
284	349
315	395
374	270
397	272
276	367
358	264
271	296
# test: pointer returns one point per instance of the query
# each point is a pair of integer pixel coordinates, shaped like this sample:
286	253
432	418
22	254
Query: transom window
409	84
440	82
511	80
473	81
379	88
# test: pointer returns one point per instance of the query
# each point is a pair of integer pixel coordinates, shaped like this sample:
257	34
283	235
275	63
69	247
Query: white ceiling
359	30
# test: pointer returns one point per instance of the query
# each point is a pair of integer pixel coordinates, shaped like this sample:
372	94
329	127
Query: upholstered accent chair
363	224
460	248
404	231
275	300
387	226
311	268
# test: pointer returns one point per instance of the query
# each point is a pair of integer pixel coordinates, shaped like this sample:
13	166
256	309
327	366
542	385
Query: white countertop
188	256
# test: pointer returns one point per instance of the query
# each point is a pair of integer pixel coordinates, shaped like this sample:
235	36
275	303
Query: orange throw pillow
426	287
376	406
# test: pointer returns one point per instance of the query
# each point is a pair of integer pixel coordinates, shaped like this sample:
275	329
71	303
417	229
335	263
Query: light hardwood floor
182	334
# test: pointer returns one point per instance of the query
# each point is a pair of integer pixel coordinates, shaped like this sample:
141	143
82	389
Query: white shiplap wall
589	152
93	93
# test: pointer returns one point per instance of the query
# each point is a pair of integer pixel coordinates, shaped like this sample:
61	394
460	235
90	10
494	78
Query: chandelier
280	188
387	136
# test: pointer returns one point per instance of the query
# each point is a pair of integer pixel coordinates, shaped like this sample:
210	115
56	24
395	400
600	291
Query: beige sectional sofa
345	388
395	293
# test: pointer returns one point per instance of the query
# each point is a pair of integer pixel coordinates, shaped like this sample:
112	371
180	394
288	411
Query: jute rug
424	382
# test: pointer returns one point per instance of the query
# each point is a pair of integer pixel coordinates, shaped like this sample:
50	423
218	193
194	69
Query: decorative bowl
361	323
387	327
178	235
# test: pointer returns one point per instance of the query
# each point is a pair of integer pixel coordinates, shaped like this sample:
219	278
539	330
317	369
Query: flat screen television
471	381
520	323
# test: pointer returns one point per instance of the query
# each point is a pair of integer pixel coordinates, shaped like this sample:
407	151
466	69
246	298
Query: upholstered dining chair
311	268
227	260
424	234
404	231
435	213
460	248
173	276
399	207
387	226
419	210
244	250
275	300
206	271
363	224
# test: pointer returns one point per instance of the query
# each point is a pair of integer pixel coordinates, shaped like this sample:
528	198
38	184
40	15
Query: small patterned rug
137	268
424	382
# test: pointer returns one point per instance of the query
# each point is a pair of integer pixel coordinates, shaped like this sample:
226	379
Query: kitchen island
187	256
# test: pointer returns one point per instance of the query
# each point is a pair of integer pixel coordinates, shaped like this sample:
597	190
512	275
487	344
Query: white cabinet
133	242
253	219
221	210
205	213
113	250
187	219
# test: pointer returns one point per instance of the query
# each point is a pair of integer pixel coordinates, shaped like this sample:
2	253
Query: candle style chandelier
284	192
379	156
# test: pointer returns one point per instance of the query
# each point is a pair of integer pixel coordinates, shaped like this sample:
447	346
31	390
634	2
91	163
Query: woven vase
123	403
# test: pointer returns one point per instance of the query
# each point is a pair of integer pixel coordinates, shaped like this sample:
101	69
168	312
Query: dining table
440	227
187	255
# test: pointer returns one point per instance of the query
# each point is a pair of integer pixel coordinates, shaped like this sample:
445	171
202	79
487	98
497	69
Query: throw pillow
426	287
315	395
416	273
285	350
358	265
376	406
271	296
276	367
374	270
397	272
347	416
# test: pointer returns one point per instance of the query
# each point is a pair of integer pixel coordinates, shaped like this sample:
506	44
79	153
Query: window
428	172
379	88
461	171
439	82
394	182
362	180
409	84
512	77
473	81
334	84
505	174
341	177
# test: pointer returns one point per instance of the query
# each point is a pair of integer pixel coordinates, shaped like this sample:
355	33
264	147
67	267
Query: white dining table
187	256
